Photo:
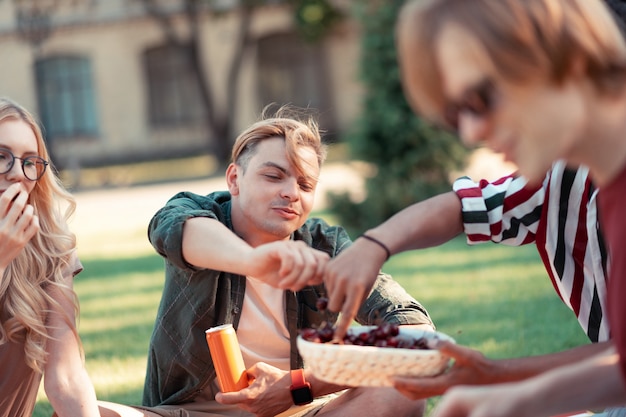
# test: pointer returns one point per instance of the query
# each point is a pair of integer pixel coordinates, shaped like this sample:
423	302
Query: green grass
492	298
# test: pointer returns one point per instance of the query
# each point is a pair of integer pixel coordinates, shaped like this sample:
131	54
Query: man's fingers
340	299
336	293
301	267
318	276
288	263
458	352
419	388
343	324
292	265
230	397
351	306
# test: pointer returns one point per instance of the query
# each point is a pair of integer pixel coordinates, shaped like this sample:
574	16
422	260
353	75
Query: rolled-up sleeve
503	211
165	230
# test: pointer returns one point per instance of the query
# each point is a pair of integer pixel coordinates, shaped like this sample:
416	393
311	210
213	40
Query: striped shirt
561	218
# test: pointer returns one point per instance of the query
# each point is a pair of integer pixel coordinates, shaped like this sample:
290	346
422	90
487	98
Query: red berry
383	336
309	334
321	304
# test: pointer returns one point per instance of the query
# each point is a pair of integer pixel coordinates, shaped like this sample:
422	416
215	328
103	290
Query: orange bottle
227	359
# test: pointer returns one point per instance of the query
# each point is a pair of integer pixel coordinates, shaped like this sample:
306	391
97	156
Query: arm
423	225
191	232
284	264
484	211
349	277
66	382
562	390
473	368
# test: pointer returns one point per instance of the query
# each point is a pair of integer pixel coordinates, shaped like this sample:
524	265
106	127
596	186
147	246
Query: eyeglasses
478	101
32	166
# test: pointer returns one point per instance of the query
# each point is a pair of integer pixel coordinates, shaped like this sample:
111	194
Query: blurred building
109	87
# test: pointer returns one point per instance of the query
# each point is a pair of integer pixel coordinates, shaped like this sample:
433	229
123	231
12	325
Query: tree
218	118
312	17
413	159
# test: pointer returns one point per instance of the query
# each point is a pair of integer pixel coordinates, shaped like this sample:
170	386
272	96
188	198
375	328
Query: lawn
492	298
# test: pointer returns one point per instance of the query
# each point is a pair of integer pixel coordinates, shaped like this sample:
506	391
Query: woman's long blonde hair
24	289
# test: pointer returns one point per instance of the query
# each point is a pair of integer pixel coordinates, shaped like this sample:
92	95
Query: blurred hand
470	367
18	223
288	264
349	278
267	395
504	400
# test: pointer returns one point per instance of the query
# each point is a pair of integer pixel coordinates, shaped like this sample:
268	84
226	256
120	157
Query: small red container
227	359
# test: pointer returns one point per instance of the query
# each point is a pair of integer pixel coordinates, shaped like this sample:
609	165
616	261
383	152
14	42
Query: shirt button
236	310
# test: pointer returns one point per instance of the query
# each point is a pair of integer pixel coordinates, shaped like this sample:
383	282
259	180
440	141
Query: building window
173	87
66	97
292	71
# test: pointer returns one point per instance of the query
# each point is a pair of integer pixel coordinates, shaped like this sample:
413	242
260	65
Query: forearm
506	370
422	225
595	383
73	396
321	388
66	381
207	243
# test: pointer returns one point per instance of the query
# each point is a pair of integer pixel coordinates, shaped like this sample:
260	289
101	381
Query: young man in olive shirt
252	257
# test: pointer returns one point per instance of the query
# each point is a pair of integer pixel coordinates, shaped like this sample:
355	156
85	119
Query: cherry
385	336
326	333
321	304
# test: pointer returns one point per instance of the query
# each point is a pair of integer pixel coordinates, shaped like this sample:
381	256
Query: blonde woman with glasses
38	262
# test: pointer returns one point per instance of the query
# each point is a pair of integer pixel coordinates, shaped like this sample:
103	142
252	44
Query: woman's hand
18	223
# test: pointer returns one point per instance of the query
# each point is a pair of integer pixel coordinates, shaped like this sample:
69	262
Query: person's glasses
32	166
478	101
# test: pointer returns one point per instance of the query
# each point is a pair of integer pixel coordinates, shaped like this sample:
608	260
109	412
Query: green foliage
314	18
413	158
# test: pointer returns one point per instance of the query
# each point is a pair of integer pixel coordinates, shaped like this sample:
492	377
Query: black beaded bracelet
379	243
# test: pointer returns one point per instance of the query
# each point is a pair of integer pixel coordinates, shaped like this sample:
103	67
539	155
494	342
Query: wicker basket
372	366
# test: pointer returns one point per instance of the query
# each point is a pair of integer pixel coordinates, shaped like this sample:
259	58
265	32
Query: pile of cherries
384	335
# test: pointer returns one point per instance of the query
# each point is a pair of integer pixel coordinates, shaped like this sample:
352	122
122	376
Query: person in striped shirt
539	81
559	215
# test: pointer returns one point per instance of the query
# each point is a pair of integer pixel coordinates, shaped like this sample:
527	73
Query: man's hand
349	278
285	264
288	264
470	367
267	395
18	223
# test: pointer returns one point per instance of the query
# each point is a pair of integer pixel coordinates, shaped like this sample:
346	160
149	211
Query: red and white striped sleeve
503	211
